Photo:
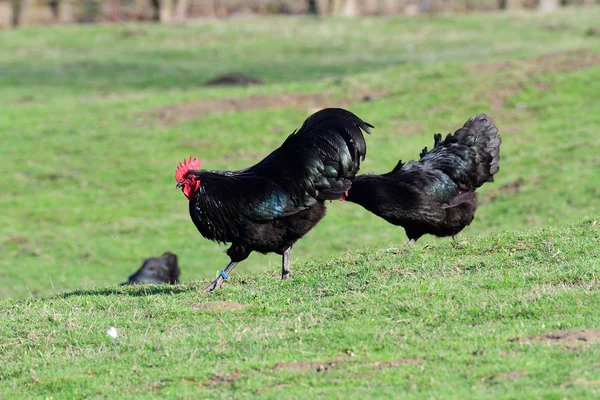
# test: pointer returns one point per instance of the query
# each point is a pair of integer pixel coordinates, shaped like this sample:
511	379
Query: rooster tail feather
470	156
484	140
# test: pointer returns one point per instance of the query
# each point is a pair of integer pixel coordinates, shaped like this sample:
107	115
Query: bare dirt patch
512	187
267	389
508	376
567	61
23	245
516	185
498	96
234	79
128	33
529	69
219	306
592	31
318	366
407	128
381	365
217	379
176	113
324	366
110	96
396	363
25	99
564	338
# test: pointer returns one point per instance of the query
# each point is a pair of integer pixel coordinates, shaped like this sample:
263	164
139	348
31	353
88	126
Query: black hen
272	204
157	270
435	195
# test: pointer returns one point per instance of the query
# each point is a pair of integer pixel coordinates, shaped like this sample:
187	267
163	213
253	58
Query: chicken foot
217	283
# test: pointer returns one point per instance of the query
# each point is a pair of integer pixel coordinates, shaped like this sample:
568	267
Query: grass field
95	118
448	321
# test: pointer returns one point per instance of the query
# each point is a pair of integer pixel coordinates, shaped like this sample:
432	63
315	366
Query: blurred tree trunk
312	7
140	7
171	11
370	7
54	7
212	8
381	7
181	11
548	5
155	10
425	6
166	10
336	6
21	10
347	8
65	11
16	9
90	11
392	6
510	4
350	8
115	10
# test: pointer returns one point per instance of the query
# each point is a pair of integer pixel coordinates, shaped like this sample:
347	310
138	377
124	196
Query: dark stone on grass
157	270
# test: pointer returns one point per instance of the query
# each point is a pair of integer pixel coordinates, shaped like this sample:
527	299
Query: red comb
185	166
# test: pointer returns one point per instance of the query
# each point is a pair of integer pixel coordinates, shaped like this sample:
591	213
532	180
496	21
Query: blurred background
100	100
26	12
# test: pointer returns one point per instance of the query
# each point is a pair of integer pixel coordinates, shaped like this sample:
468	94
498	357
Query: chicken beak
179	185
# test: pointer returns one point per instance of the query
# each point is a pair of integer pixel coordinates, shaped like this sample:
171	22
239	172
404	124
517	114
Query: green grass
435	321
89	193
89	188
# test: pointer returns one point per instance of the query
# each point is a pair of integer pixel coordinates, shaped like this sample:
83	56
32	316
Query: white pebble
112	332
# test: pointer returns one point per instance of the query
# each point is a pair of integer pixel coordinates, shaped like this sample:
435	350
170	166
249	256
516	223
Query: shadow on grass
132	290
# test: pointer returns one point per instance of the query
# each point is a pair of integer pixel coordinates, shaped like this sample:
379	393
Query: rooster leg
410	242
217	283
285	264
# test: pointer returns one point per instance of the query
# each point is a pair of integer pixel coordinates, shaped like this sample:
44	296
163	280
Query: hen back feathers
435	194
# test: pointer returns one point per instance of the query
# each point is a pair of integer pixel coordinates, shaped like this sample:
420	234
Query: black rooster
157	270
435	195
269	206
